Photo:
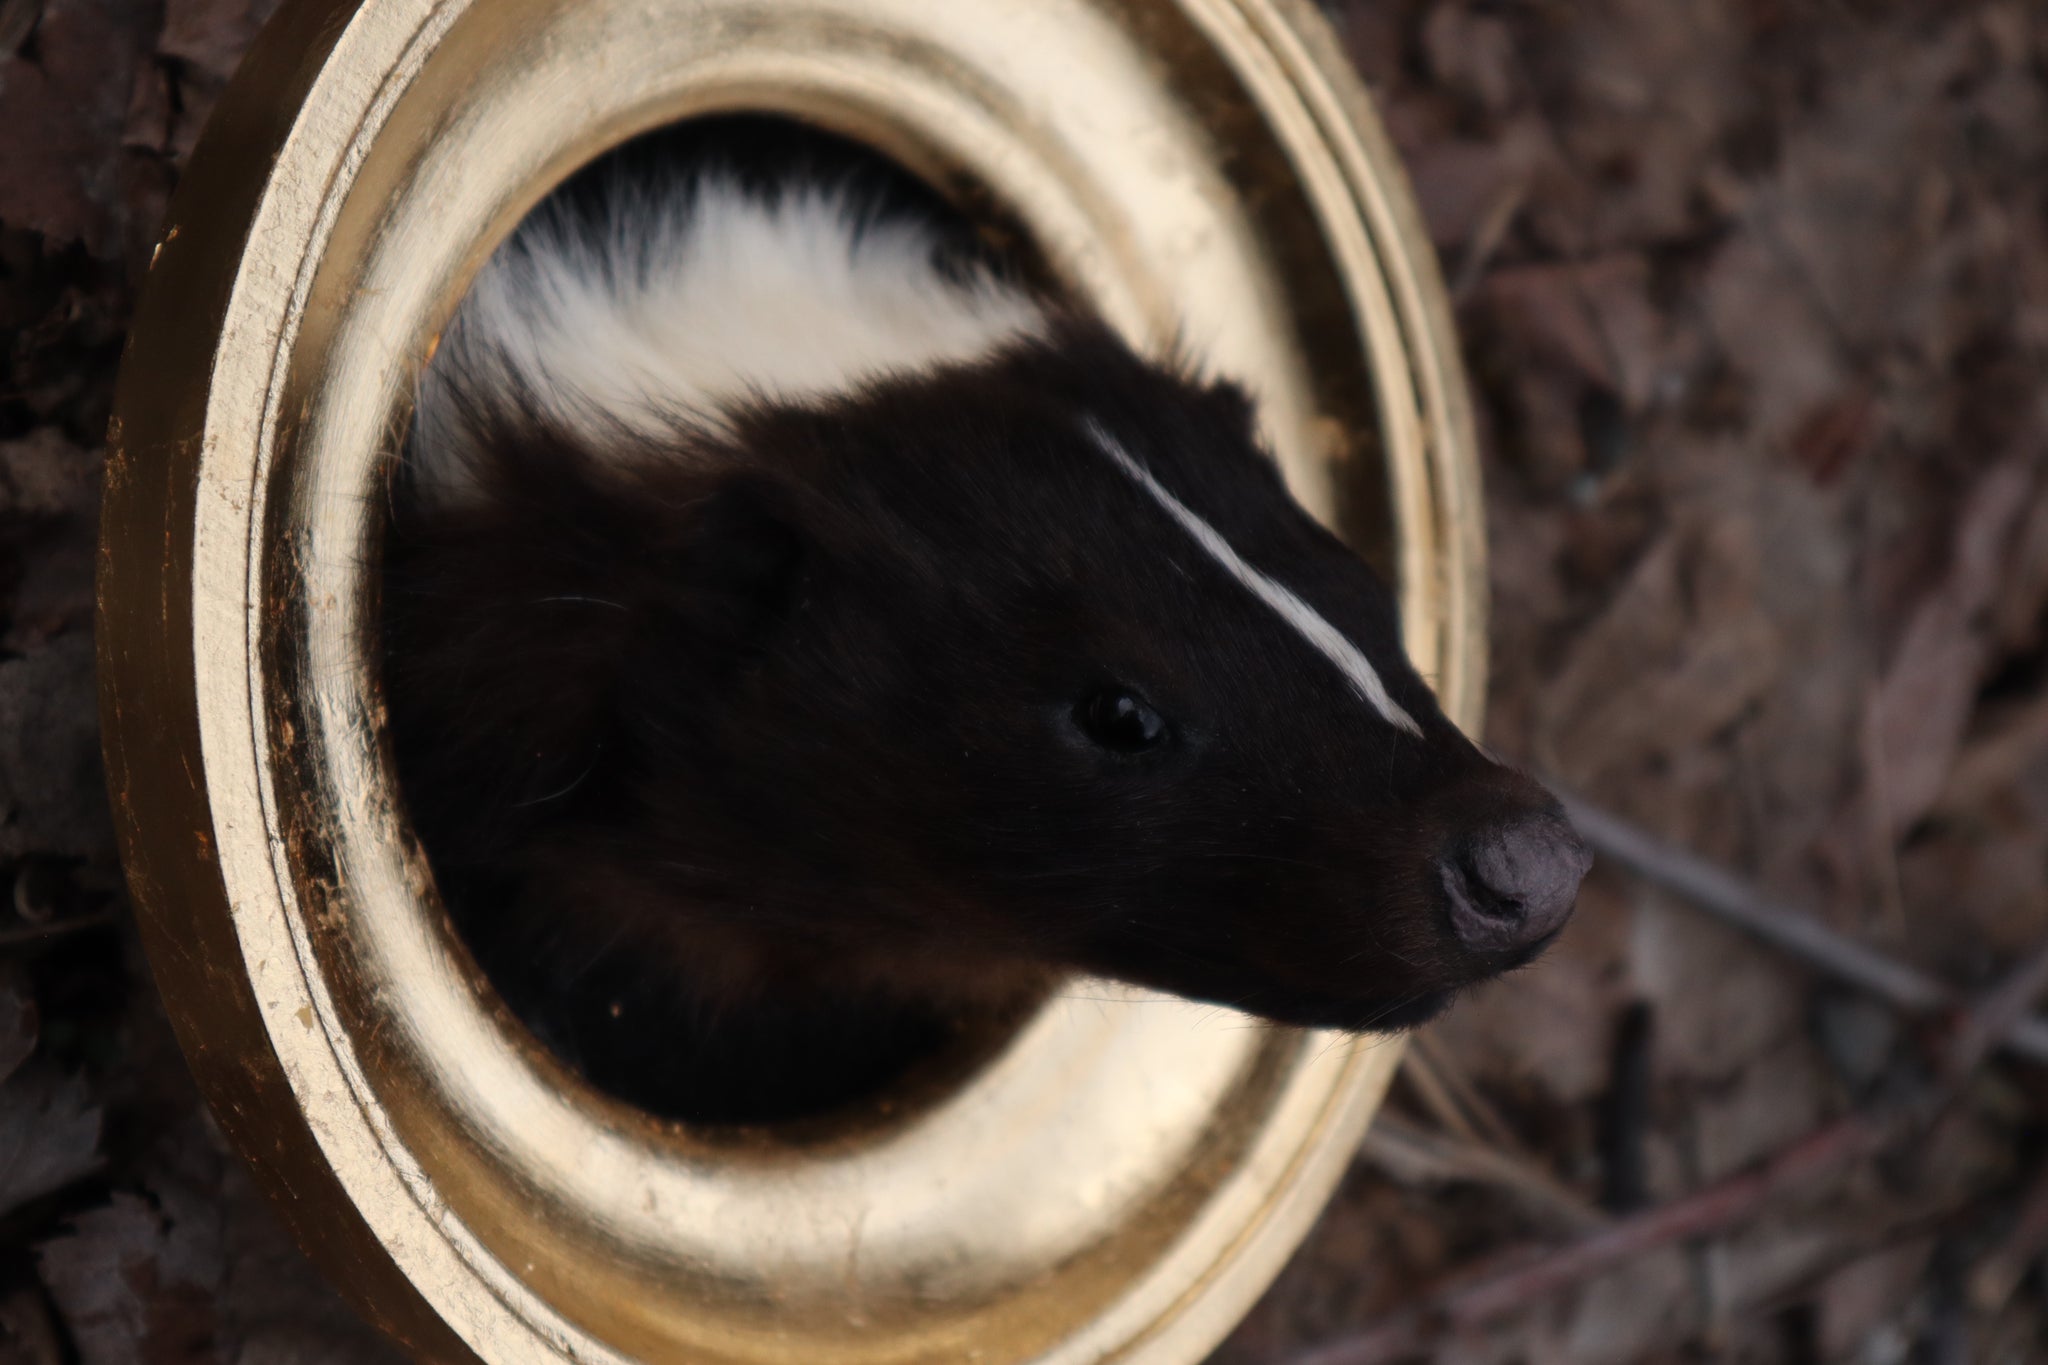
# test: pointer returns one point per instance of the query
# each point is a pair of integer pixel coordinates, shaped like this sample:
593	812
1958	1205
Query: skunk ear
735	572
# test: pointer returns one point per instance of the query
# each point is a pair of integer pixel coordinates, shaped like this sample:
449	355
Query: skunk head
1016	654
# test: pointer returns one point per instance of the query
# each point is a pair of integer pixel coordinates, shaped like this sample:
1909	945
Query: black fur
752	768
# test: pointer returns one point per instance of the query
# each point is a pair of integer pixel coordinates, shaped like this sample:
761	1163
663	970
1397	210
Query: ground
1755	297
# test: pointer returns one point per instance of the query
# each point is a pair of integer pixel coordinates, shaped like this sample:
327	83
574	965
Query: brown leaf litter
1755	294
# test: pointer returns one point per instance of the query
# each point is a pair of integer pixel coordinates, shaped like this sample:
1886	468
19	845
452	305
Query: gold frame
1126	1176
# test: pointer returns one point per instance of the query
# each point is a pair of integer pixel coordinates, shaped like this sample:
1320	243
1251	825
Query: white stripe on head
700	298
1326	638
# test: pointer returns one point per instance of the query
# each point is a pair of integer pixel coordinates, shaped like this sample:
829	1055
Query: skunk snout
1512	886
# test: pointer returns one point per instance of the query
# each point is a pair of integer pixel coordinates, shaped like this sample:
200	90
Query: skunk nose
1513	886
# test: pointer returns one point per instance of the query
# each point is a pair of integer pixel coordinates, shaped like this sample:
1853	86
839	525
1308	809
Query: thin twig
1435	1063
1472	1299
1997	1013
1625	1113
1467	1302
1412	1152
1998	1274
1729	898
1421	1074
1499	215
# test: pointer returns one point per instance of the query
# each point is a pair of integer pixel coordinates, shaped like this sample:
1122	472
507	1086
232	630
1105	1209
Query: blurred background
1755	297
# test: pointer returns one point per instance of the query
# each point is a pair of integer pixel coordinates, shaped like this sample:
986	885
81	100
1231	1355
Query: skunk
805	643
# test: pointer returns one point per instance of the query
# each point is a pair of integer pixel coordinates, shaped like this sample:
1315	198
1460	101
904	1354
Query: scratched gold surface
1121	1179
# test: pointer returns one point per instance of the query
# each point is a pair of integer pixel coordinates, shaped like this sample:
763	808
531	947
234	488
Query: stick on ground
1489	1292
1786	927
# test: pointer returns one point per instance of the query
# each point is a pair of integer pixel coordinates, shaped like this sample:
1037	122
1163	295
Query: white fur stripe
1327	639
698	299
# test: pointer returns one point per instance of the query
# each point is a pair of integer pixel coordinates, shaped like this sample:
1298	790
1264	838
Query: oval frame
1129	1173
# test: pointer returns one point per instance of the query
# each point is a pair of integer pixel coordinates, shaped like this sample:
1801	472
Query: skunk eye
1120	720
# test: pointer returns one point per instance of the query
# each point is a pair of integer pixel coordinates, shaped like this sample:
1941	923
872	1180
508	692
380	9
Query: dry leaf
1861	1297
61	172
1923	703
1680	652
52	797
212	34
1472	54
42	475
135	1284
49	1136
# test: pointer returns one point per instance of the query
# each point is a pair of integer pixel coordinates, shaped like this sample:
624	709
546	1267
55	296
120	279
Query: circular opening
663	1017
1121	1180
